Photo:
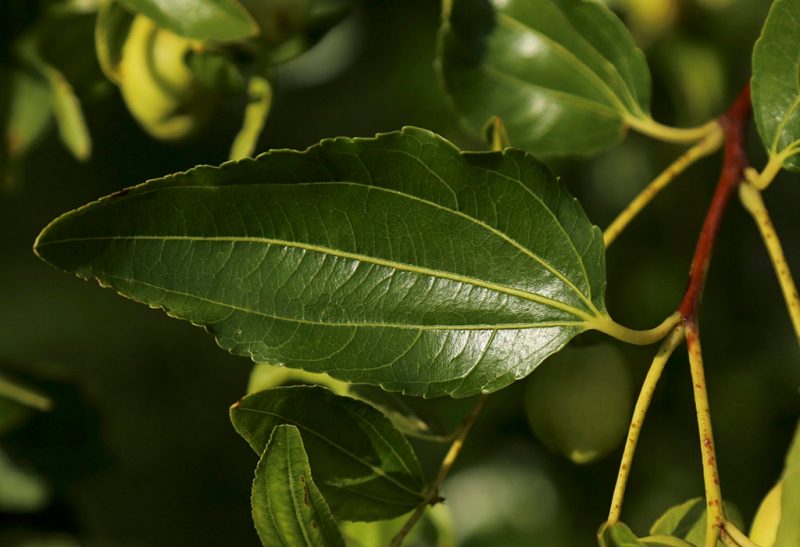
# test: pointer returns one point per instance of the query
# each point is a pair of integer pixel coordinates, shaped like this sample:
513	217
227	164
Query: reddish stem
735	161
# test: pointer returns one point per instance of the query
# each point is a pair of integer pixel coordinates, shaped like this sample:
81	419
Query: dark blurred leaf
11	415
74	449
29	117
66	107
776	83
279	20
221	20
215	71
396	260
21	490
288	508
362	464
434	529
565	76
111	30
32	538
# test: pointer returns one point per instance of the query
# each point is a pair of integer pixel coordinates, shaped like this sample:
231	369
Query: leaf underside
776	82
288	508
395	261
364	467
562	74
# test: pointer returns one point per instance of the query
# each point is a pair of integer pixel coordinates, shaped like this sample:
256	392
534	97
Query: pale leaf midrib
458	278
377	470
370	187
298	510
330	324
519	246
587	298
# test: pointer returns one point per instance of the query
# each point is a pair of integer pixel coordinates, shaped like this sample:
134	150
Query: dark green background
144	453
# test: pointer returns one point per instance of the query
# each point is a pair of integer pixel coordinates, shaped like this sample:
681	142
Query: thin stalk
751	199
734	537
773	167
646	337
709	144
639	413
498	134
432	496
23	395
715	516
665	133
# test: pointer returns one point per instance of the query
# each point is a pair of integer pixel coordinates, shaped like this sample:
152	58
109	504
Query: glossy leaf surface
564	75
776	82
364	467
397	260
288	508
223	20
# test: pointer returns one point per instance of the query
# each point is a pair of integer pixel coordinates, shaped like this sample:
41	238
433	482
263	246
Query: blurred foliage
138	450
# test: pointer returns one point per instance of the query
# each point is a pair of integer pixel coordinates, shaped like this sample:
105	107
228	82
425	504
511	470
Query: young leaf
665	541
365	468
221	20
776	83
395	260
564	75
288	508
64	104
789	527
617	535
111	29
688	521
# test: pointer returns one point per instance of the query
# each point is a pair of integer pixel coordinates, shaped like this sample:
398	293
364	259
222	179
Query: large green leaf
776	83
396	260
288	508
223	20
789	528
564	75
365	468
